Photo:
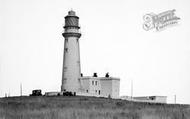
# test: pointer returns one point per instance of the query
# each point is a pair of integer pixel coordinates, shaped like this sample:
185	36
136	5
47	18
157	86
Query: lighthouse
72	80
71	59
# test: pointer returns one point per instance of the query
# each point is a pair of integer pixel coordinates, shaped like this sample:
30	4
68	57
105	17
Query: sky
113	40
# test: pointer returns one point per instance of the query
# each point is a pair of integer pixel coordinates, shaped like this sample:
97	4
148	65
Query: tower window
99	92
92	82
87	91
64	78
66	49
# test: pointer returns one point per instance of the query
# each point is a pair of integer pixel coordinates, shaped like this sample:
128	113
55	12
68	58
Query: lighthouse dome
71	12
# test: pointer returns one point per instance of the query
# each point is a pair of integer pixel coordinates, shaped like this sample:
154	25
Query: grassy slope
87	108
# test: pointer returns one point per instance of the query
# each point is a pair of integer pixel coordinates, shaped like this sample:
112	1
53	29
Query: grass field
87	108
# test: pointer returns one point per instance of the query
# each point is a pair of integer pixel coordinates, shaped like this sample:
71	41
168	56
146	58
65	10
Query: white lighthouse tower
71	60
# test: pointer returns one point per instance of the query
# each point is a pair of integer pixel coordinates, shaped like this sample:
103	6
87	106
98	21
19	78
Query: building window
96	82
99	92
87	91
96	91
92	82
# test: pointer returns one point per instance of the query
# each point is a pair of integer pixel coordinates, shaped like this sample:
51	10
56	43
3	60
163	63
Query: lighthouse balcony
72	34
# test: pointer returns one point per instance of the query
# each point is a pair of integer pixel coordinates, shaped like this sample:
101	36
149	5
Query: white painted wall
156	99
115	88
71	65
106	86
95	86
162	99
84	85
